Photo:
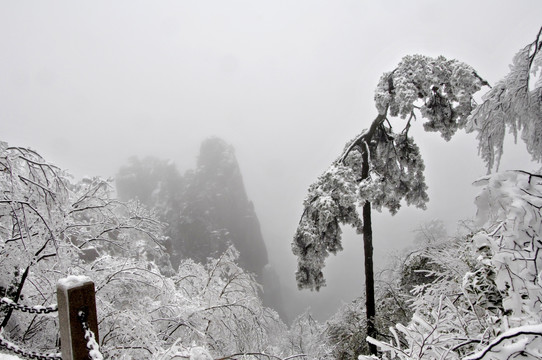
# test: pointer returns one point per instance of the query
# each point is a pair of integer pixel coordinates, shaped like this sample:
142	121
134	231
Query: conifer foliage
382	167
442	90
514	103
486	304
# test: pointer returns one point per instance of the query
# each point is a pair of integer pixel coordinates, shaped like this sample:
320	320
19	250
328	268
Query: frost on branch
509	208
395	174
441	89
457	307
524	341
515	103
382	167
486	299
48	227
331	201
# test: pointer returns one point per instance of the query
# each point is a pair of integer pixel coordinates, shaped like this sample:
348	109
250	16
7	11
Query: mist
286	83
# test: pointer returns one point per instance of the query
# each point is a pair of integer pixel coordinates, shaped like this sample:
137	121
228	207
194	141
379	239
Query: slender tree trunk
369	274
368	255
361	144
16	299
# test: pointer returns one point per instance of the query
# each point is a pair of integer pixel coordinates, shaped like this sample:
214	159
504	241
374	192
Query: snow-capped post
76	294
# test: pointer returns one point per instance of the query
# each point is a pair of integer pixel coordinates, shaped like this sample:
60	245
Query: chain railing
25	353
77	321
92	345
38	309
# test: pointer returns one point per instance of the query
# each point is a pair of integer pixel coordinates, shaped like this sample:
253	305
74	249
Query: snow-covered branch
519	344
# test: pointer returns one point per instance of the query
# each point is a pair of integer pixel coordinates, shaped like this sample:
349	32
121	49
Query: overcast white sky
287	83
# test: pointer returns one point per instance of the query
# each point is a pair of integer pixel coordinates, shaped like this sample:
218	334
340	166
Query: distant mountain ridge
206	209
215	197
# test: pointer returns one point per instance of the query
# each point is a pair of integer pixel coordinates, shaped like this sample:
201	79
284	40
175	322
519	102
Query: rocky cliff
216	211
206	209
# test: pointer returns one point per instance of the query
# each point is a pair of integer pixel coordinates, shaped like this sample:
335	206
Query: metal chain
92	346
28	354
37	309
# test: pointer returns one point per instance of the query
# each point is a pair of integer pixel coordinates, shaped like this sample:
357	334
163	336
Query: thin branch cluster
483	294
514	103
51	228
484	300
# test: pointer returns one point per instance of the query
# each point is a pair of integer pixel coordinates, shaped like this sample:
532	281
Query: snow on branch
441	89
513	104
380	166
519	343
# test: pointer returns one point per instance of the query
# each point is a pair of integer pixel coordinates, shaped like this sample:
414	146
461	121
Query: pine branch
506	336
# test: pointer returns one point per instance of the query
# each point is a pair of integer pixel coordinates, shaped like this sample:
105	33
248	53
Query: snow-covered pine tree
381	167
494	311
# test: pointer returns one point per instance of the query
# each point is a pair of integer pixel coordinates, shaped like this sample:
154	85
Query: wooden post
75	293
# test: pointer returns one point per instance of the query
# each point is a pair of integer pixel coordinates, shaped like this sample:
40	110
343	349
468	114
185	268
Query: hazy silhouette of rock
206	209
216	204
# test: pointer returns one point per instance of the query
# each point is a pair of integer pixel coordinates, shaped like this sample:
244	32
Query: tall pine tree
382	167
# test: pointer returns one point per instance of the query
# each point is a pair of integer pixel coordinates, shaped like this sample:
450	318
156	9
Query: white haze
287	83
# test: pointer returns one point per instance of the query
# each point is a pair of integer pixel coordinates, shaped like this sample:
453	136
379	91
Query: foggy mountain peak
206	210
215	152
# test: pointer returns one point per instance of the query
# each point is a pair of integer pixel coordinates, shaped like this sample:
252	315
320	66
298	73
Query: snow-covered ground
9	357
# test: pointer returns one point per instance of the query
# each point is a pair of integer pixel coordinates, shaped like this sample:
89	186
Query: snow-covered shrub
307	336
51	227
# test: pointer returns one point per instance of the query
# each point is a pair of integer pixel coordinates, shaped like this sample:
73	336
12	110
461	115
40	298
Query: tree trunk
369	274
368	253
16	299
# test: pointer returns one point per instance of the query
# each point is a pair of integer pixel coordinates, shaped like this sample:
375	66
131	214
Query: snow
94	352
9	357
7	301
507	350
73	280
199	353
